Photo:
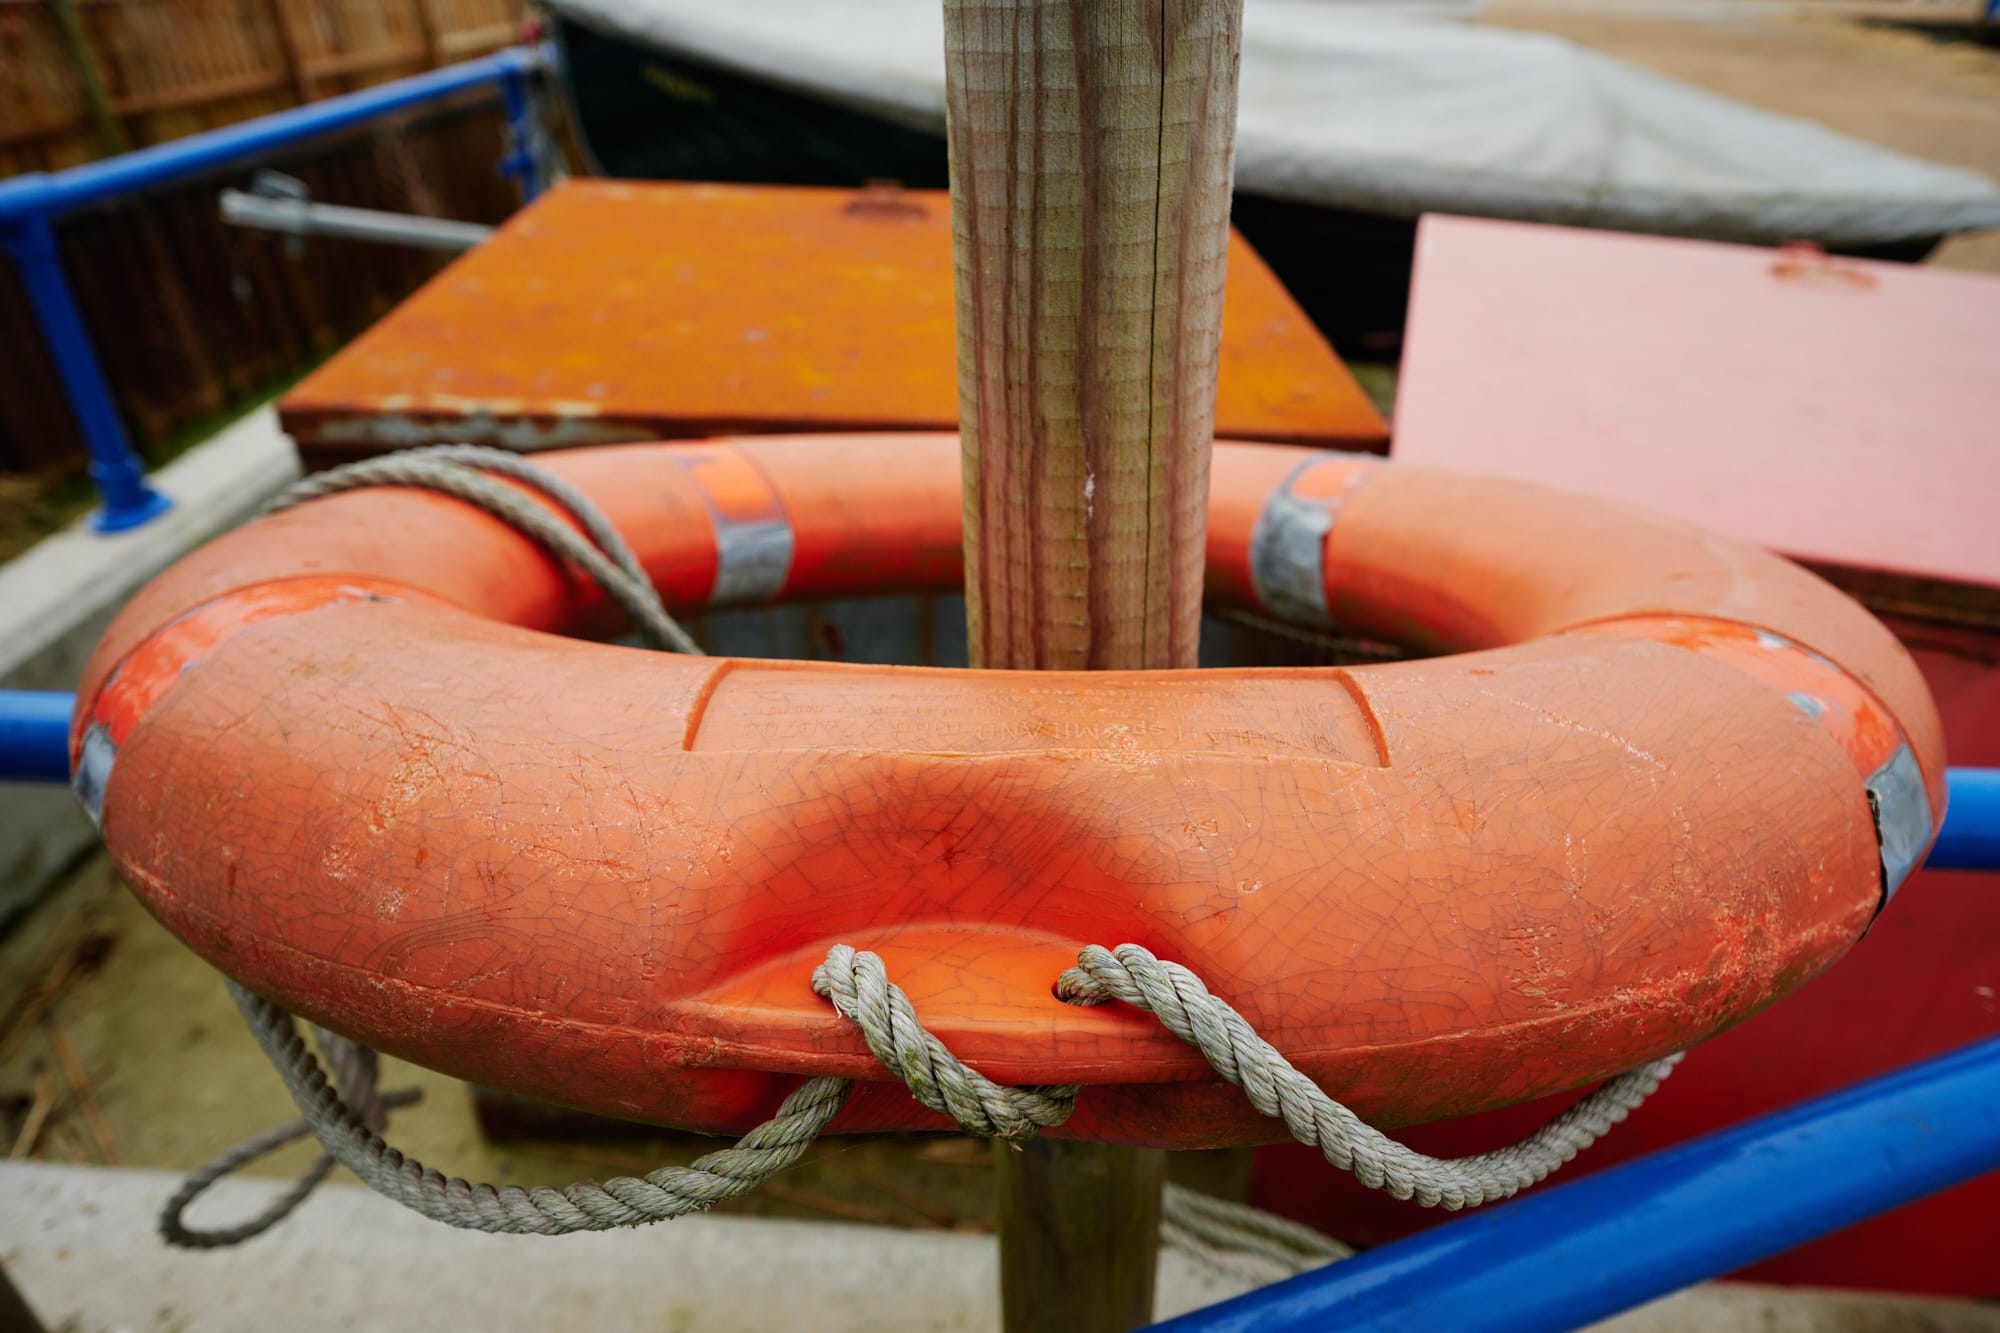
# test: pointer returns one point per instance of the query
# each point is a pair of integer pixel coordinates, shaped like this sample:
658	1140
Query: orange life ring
1662	779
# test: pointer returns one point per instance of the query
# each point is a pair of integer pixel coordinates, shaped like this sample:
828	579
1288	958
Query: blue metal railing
34	735
1574	1254
1970	838
31	204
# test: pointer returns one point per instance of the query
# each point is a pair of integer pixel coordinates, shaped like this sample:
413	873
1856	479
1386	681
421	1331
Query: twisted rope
462	471
860	989
855	982
586	1206
1178	999
354	1068
1239	1241
858	985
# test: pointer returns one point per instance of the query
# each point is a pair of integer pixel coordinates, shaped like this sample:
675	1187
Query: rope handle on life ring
857	984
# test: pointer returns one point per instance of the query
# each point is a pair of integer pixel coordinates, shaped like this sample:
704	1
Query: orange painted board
611	311
1841	411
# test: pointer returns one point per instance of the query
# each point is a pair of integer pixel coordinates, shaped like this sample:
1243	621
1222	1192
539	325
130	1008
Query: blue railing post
129	499
520	164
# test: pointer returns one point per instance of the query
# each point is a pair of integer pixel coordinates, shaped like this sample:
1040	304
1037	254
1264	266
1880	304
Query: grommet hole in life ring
341	754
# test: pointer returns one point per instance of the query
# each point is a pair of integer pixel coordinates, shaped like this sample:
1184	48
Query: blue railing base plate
127	517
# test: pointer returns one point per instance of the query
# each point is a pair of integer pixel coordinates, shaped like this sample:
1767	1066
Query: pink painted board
1847	413
1841	411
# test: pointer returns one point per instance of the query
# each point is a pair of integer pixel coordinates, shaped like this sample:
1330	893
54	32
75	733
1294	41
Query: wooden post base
1079	1234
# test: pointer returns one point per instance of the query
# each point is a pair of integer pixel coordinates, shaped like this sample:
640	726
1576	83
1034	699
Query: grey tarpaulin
1398	116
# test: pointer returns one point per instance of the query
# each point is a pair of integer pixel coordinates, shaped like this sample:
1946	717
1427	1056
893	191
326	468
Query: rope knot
857	984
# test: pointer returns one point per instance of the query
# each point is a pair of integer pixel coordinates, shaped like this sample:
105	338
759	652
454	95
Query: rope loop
355	1067
671	1191
1225	1038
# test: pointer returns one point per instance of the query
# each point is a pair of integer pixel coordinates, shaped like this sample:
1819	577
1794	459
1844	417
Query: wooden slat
23	134
177	62
288	51
167	68
476	41
363	62
427	29
200	94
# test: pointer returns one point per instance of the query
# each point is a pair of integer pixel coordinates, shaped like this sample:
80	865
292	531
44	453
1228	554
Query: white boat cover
1351	108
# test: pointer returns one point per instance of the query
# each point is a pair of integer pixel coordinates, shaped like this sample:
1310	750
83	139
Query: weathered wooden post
1090	174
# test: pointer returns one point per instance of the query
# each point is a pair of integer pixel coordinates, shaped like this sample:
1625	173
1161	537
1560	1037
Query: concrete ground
355	1262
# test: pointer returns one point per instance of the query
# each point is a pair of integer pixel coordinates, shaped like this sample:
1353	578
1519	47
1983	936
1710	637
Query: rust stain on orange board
615	311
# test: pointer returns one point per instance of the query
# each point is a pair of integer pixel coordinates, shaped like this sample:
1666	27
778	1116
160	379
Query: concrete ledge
79	1243
57	597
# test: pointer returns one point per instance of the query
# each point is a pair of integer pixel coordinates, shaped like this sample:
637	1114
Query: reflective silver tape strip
753	534
1288	550
752	560
93	771
1896	795
1902	816
1895	791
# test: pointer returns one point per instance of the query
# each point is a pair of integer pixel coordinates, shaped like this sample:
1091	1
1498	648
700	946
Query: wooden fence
191	318
83	78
